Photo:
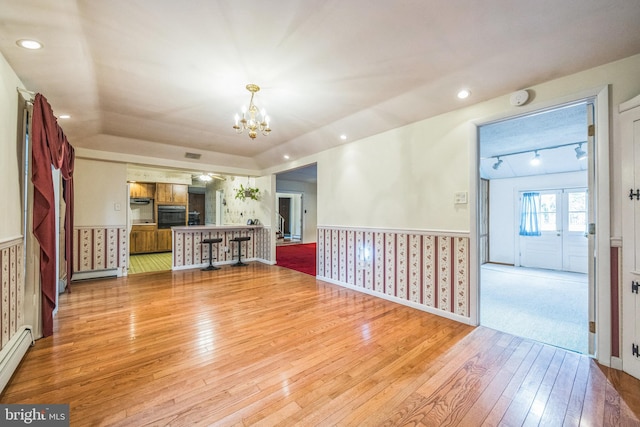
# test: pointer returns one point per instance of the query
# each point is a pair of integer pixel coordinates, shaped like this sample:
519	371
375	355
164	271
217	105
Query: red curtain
50	148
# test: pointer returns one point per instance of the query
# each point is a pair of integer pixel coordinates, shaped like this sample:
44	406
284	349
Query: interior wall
101	197
503	215
238	211
21	286
11	223
401	179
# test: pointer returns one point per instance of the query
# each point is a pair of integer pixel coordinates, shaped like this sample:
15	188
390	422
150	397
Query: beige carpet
149	262
543	305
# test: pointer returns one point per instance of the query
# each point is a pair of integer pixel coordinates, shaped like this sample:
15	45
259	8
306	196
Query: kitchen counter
216	227
190	252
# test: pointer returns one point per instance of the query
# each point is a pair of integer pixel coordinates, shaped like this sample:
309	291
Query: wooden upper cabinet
163	193
180	193
172	193
142	190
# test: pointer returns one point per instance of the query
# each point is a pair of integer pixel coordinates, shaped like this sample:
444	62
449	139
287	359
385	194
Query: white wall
100	189
401	179
503	216
10	216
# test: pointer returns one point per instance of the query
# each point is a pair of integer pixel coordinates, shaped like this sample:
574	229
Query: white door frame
600	98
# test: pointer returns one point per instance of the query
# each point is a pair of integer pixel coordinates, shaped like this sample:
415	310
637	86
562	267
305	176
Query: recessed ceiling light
29	44
286	157
464	93
343	137
64	116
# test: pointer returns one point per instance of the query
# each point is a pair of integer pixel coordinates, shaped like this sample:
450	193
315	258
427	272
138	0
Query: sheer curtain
529	214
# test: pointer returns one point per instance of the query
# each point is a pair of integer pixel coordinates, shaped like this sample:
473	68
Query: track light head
580	153
497	164
536	159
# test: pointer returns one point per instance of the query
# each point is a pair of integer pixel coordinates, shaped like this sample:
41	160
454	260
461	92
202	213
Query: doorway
534	275
290	226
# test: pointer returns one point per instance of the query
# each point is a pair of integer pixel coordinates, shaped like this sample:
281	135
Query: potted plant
243	193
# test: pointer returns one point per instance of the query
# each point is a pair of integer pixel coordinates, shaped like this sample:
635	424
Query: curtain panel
50	148
529	218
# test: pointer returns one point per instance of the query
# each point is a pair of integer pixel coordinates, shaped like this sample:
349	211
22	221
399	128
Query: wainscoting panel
100	248
426	269
12	289
188	249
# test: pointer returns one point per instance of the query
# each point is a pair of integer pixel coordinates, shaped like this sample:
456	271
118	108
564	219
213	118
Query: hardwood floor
264	345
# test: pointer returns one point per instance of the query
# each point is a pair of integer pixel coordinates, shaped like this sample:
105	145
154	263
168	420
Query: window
548	212
577	211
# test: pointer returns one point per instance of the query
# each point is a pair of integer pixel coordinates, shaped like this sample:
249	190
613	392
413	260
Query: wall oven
171	216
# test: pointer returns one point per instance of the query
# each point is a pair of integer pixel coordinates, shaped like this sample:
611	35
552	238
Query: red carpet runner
297	257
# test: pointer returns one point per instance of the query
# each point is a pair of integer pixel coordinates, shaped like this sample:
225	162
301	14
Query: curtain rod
26	92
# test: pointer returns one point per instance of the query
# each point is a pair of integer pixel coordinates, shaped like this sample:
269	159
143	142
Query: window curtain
529	215
50	148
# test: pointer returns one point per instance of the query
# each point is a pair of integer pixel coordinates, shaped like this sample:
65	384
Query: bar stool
239	241
210	242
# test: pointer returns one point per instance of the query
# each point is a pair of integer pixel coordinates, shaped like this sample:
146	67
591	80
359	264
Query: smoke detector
519	98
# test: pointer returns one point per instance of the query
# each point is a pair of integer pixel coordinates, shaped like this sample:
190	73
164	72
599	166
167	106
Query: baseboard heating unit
13	352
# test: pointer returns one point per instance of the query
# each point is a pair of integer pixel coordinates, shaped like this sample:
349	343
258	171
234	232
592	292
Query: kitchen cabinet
148	239
172	193
163	240
142	190
143	239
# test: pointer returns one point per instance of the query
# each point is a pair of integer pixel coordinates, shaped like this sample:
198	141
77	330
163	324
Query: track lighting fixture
536	159
497	163
580	153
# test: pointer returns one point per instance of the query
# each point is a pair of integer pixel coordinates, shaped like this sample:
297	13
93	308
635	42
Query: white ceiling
554	134
161	77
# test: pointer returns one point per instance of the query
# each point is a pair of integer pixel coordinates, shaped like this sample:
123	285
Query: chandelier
253	120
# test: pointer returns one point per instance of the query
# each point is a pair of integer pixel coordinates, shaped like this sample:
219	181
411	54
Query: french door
562	219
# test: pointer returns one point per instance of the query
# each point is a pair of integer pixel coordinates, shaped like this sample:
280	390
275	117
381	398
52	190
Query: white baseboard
616	363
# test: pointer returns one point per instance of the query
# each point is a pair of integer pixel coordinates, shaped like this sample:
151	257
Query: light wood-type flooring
145	263
264	345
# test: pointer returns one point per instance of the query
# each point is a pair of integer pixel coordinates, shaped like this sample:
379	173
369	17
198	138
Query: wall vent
194	156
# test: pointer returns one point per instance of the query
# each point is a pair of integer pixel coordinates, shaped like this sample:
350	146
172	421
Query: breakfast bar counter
190	252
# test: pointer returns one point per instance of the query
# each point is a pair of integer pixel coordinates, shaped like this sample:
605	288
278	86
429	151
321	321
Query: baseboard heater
95	274
13	352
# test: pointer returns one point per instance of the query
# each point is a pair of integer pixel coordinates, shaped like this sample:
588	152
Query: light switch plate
460	198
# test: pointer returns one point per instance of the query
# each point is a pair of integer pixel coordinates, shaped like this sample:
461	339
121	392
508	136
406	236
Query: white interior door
575	245
630	353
